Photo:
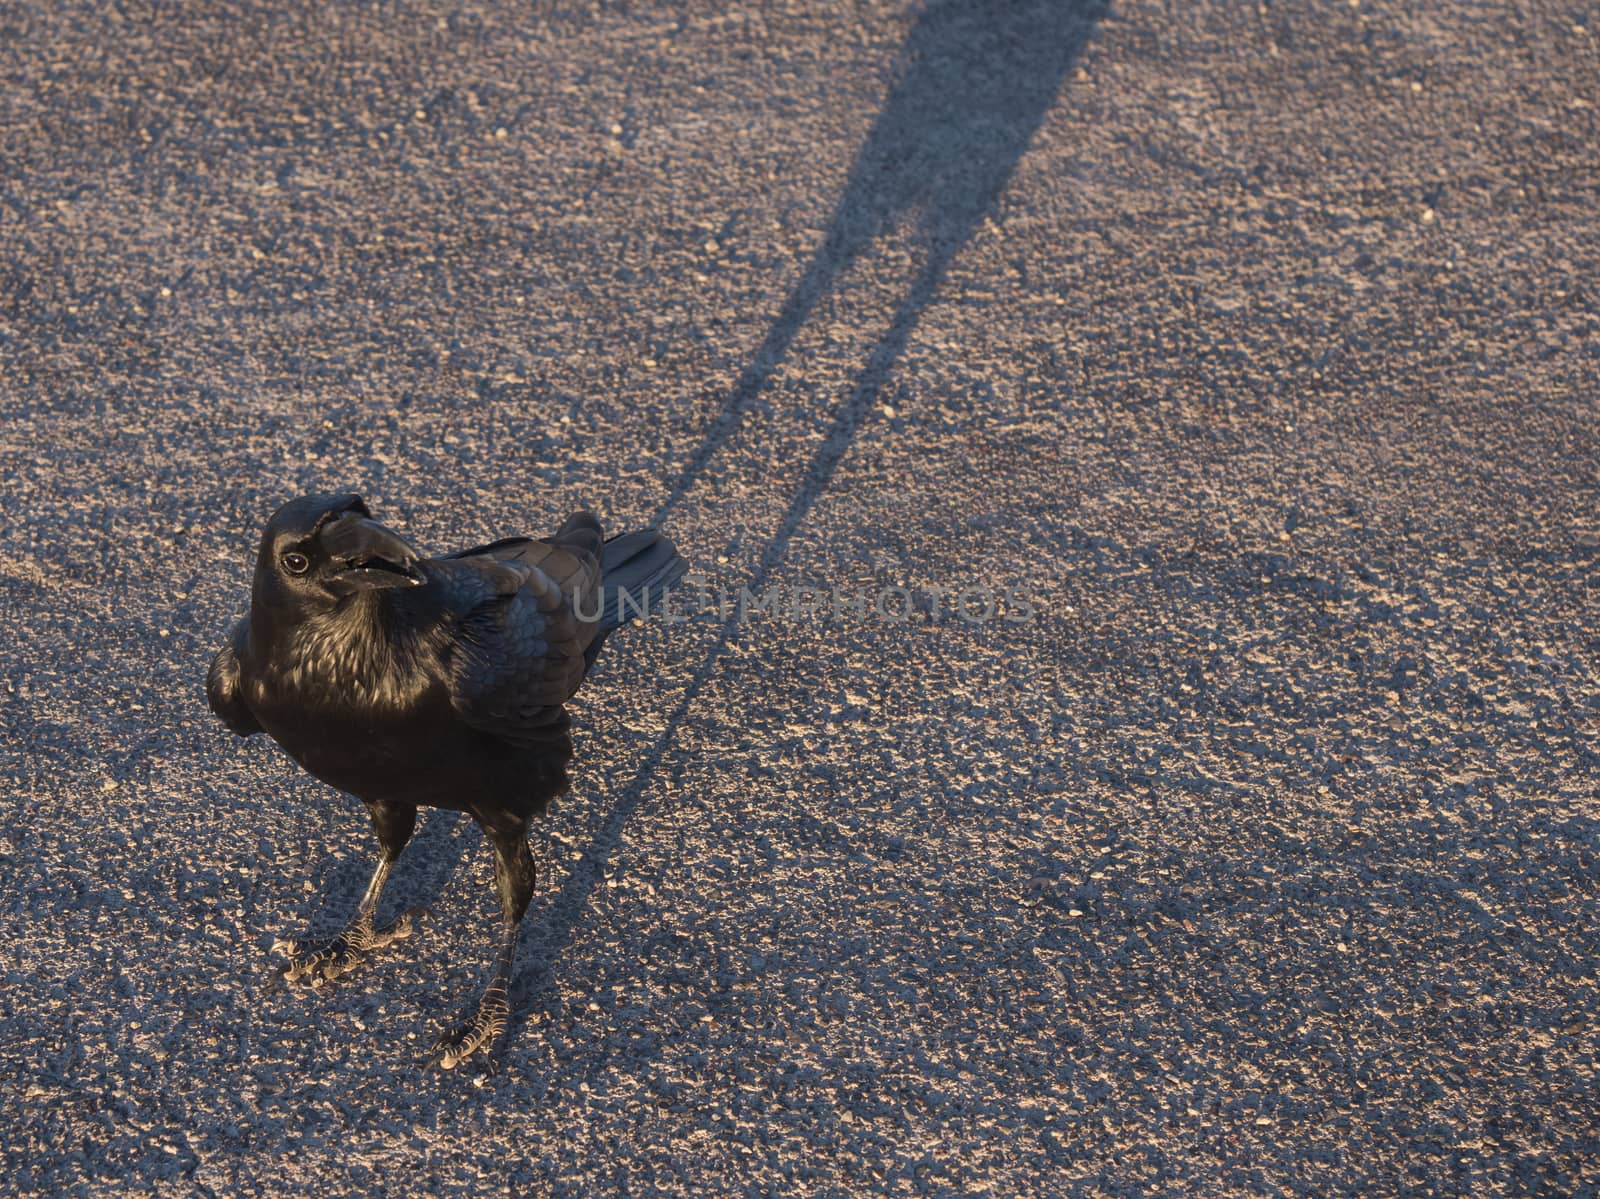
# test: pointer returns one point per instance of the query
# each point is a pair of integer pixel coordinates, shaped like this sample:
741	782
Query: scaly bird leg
394	825
513	877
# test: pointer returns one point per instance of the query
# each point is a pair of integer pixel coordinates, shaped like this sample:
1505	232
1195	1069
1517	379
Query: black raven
429	682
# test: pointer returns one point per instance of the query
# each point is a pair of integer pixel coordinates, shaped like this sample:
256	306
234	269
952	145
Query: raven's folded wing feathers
222	686
570	558
519	651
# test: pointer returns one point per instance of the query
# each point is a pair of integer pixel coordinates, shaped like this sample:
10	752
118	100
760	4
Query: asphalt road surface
1235	832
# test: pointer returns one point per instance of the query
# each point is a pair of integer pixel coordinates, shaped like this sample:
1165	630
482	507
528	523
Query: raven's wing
223	692
570	558
530	612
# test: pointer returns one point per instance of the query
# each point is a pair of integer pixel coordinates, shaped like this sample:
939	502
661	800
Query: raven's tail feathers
637	570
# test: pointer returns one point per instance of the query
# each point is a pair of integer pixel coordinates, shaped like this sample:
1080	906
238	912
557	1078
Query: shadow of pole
978	78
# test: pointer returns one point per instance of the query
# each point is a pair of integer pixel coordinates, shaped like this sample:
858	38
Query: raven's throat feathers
353	655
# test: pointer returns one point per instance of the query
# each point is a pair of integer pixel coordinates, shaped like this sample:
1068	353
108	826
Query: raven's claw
341	955
478	1033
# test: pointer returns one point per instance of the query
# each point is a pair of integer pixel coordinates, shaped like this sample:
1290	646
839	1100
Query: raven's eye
296	564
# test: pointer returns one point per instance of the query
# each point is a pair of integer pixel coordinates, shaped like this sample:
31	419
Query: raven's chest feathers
356	703
349	666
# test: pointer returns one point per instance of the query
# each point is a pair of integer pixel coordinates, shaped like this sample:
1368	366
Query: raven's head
319	550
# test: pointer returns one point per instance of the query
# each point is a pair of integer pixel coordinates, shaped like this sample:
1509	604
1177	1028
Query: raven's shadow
977	78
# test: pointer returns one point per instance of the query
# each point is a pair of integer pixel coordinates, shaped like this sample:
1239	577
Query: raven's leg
513	879
394	824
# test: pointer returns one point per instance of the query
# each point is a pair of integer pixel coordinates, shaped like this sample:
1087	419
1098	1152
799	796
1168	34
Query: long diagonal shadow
979	77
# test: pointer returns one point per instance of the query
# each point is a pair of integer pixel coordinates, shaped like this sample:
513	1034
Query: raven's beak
367	556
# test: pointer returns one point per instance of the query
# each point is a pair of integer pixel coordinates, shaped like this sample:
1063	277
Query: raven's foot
341	955
478	1033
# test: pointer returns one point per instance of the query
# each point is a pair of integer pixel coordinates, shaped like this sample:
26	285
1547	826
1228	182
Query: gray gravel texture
1254	345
